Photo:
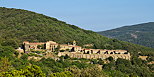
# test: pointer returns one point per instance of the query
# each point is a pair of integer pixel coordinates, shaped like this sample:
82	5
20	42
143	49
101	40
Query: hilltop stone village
73	51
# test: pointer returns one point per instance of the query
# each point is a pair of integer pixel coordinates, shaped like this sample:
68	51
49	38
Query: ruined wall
28	45
95	56
143	57
103	51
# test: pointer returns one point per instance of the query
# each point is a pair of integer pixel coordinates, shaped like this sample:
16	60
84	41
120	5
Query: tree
5	65
13	73
11	42
110	58
24	57
62	74
41	46
29	71
66	56
6	51
150	58
33	71
75	70
100	61
126	63
57	49
94	61
114	73
93	71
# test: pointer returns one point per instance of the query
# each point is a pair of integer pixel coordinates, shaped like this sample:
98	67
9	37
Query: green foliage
24	57
62	74
10	42
6	51
66	56
5	65
33	71
150	58
57	49
142	34
21	25
75	70
18	25
93	71
136	61
14	73
110	58
114	73
134	68
41	46
100	61
80	64
29	71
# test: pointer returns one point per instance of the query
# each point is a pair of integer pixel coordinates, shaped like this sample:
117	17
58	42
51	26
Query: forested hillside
142	34
18	25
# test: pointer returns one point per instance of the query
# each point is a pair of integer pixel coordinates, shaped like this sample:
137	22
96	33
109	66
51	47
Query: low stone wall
35	58
143	57
95	56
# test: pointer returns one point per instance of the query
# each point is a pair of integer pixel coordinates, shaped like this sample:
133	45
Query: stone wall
94	56
28	45
143	57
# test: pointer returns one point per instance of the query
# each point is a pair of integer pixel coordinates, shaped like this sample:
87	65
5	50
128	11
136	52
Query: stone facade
70	48
51	46
20	50
95	56
75	51
143	57
28	46
103	51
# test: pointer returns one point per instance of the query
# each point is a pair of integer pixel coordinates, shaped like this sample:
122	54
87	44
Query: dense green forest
12	66
142	34
18	25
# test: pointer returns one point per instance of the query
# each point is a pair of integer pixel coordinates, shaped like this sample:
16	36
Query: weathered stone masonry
95	56
78	51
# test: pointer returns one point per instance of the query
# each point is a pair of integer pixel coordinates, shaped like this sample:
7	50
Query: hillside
18	25
142	34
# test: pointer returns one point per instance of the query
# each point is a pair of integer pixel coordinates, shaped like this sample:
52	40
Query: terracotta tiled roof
69	45
86	49
36	43
40	43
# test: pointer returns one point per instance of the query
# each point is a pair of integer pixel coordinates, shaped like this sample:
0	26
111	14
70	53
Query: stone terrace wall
95	56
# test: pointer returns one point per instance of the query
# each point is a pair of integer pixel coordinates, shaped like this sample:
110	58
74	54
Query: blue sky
96	15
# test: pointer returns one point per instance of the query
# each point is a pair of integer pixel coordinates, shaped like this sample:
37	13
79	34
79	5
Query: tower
74	43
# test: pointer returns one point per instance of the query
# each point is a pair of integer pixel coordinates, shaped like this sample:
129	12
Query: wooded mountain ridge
18	25
142	34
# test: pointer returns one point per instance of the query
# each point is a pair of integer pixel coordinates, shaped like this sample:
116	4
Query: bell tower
74	43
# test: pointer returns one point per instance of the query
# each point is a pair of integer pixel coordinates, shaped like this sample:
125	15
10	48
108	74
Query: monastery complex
75	51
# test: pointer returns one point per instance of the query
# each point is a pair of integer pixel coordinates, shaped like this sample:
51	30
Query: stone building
98	53
28	46
20	50
51	46
103	51
95	56
75	51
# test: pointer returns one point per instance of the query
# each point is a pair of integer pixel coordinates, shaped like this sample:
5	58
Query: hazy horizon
89	14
